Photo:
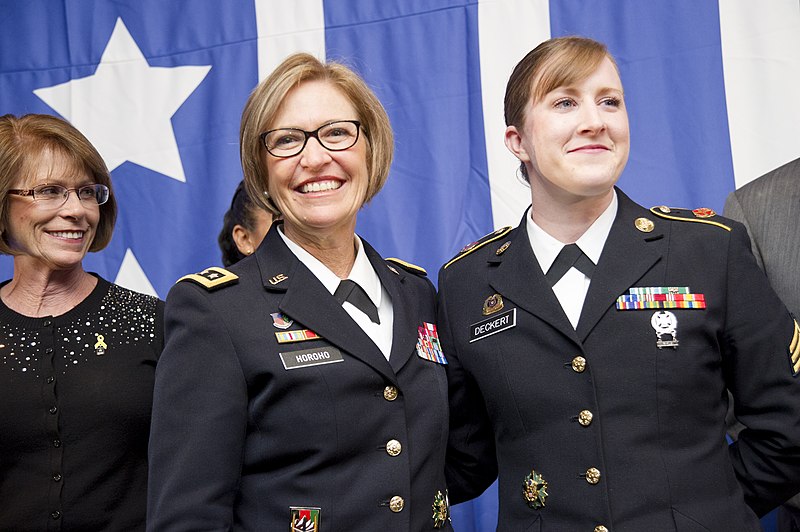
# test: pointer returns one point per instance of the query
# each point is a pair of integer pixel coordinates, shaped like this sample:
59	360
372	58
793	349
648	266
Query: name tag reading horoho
495	324
311	357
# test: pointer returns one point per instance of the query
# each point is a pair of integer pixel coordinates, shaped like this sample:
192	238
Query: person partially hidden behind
770	209
304	388
590	348
77	353
243	227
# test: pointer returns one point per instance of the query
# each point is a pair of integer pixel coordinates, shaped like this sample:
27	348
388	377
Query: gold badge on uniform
304	519
704	212
493	303
502	249
441	509
644	225
534	489
278	279
665	324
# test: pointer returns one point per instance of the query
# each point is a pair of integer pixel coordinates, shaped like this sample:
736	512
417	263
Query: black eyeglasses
54	196
333	136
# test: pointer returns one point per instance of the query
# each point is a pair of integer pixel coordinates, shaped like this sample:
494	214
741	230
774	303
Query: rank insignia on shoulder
491	237
413	268
212	278
304	519
701	215
441	509
794	350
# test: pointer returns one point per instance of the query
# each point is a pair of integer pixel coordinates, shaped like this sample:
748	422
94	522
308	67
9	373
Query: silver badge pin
665	324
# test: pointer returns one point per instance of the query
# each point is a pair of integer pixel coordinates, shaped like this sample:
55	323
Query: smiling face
51	238
317	191
574	141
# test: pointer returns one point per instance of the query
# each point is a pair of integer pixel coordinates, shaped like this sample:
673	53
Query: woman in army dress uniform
304	388
592	377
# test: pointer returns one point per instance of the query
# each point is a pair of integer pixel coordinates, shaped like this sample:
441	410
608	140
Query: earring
521	177
249	251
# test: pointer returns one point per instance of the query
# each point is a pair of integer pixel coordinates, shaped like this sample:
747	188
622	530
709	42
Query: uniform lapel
307	301
519	279
627	255
404	308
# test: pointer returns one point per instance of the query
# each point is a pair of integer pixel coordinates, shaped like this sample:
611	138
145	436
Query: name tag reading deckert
495	324
311	357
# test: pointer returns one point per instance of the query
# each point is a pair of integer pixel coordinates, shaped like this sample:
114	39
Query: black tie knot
569	256
352	292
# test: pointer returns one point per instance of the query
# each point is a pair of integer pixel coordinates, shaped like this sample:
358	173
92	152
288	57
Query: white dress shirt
364	274
571	289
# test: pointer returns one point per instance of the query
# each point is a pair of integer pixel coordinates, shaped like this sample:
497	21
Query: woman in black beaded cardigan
77	353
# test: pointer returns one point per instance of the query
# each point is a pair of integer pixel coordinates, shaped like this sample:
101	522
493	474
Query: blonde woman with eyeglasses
77	353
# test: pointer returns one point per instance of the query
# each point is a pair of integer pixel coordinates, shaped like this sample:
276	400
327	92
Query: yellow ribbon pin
100	347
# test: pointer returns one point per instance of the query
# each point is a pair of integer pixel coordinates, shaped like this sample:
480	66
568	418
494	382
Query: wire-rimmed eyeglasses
54	196
333	136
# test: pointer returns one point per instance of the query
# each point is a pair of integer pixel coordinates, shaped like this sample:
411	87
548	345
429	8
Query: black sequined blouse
75	401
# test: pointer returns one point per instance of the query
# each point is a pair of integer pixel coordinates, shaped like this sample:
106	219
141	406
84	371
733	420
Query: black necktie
351	292
569	256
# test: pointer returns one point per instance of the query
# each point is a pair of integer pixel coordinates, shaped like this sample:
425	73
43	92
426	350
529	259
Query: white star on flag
132	277
125	107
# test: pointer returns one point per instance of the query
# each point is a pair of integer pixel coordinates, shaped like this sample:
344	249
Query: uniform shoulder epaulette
469	248
413	268
701	215
212	278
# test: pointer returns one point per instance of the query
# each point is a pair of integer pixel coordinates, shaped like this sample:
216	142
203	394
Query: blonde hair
554	63
23	139
264	104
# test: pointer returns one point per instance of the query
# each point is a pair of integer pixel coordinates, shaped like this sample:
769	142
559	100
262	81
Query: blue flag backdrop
159	86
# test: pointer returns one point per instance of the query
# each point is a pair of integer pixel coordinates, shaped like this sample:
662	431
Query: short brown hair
554	63
264	104
23	139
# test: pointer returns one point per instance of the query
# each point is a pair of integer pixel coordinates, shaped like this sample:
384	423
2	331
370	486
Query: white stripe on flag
508	30
288	27
761	61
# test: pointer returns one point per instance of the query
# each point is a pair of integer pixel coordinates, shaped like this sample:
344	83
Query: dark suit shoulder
774	186
702	215
481	244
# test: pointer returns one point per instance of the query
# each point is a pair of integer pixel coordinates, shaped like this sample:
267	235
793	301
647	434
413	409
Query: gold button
592	475
585	418
600	528
393	447
578	364
390	393
396	504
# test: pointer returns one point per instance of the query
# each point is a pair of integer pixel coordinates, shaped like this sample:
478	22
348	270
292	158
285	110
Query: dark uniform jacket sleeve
626	435
199	418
